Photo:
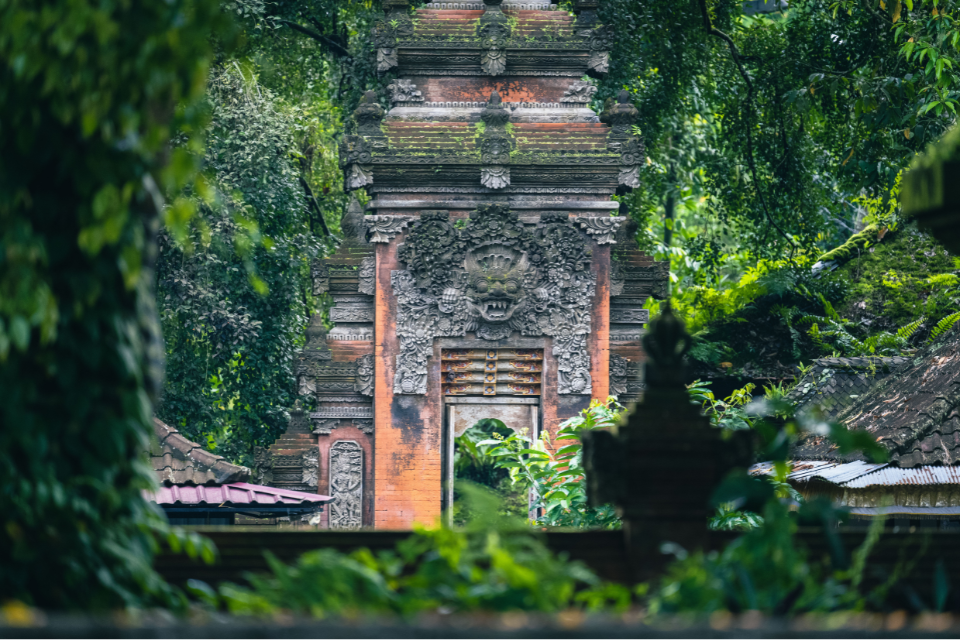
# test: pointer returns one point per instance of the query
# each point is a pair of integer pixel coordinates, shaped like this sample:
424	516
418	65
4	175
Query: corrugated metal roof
235	493
898	510
895	476
858	475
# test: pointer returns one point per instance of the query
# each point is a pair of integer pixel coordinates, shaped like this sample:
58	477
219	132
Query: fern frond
944	325
906	331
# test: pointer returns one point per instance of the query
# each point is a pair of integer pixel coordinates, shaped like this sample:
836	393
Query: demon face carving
495	281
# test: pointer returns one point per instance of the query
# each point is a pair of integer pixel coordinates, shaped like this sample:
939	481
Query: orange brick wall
469	89
408	461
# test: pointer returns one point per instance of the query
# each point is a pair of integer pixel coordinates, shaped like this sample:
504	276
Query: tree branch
735	54
312	200
318	37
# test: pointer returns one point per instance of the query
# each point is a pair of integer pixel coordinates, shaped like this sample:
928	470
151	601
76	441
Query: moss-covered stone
853	246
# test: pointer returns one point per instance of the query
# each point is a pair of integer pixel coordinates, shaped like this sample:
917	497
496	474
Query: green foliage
728	414
471	464
556	474
944	325
233	292
496	563
87	97
766	569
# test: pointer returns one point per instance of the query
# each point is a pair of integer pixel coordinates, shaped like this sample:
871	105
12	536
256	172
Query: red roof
233	494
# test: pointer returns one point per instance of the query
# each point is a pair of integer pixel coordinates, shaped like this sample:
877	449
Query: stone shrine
490	275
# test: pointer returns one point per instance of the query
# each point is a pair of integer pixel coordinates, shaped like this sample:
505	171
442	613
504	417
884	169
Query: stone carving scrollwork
602	229
364	425
364	384
404	91
494	30
383	229
495	144
346	485
368	115
367	275
494	277
618	375
324	426
580	92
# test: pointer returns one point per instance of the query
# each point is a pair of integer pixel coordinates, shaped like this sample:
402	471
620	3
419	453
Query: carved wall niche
494	277
346	485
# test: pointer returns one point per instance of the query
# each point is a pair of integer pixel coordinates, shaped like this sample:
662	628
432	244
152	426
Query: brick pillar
408	459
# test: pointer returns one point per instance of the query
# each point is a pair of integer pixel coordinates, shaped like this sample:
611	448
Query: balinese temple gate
490	275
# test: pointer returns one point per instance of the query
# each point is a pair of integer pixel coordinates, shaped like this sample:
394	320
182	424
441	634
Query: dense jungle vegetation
776	143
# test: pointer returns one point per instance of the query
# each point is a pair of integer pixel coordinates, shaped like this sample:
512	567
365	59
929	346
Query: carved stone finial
495	144
368	115
493	29
586	12
352	223
317	338
666	342
620	116
387	33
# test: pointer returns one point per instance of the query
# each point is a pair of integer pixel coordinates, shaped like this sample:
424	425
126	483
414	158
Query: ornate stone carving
351	314
364	384
494	30
368	115
367	275
586	11
600	41
495	144
404	91
320	276
620	117
631	157
602	229
325	426
616	278
387	33
493	277
355	159
311	467
314	355
383	229
618	375
346	485
351	224
580	92
364	425
263	466
629	316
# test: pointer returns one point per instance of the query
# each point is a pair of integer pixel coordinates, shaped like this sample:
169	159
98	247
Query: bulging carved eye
512	287
482	286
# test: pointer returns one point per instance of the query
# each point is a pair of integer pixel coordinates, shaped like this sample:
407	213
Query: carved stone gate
490	275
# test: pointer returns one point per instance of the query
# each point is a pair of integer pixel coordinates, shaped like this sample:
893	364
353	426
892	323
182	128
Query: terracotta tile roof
834	384
177	460
914	411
